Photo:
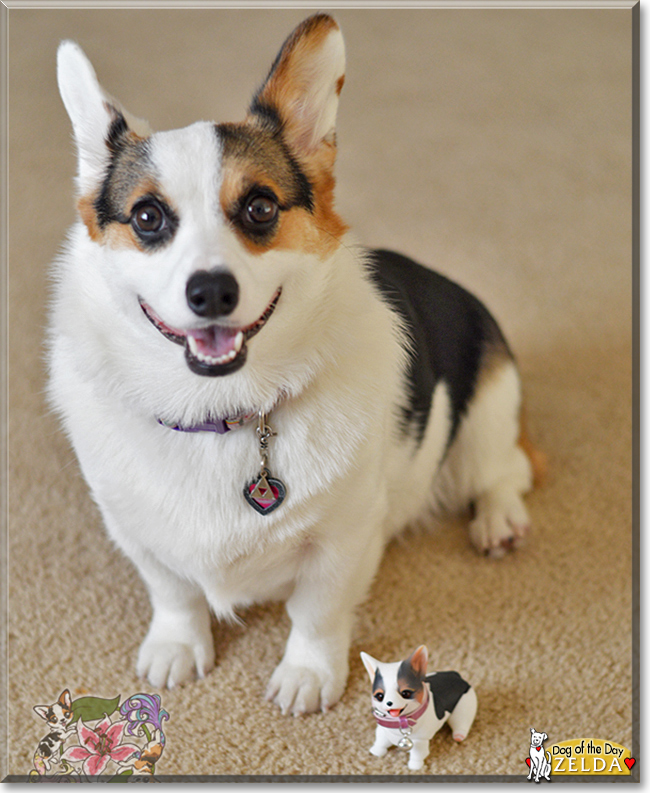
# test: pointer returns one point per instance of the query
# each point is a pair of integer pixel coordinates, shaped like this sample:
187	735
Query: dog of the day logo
577	757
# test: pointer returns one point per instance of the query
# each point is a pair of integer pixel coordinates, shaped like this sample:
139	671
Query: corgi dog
58	717
257	402
410	706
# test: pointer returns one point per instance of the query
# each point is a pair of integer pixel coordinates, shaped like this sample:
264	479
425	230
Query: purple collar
219	425
403	722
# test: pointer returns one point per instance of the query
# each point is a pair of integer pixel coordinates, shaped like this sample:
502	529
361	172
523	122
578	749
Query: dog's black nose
212	294
389	704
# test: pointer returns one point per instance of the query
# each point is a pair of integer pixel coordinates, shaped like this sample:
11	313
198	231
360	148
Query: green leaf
93	708
121	776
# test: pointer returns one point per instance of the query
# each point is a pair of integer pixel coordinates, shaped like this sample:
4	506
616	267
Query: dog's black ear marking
117	131
266	114
451	333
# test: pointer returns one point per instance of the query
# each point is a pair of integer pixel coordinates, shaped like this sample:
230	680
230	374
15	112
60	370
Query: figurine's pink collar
403	722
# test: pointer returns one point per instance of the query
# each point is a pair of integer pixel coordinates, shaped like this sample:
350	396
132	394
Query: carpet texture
493	145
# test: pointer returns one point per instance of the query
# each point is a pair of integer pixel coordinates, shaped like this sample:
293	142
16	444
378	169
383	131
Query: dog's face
59	715
397	688
537	738
210	232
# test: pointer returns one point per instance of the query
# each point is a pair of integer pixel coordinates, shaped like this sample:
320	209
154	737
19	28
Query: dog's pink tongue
394	712
214	341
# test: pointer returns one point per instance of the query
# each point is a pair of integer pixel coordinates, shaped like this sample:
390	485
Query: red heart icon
629	762
528	762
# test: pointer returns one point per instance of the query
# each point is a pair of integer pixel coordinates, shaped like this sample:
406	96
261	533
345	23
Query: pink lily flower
99	745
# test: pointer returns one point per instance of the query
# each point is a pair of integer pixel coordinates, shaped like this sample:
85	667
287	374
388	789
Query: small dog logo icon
538	759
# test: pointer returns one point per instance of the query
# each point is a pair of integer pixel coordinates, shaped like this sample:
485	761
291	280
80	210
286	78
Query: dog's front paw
415	765
298	689
167	663
500	525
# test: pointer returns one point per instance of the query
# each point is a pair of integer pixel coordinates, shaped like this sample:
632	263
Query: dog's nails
458	737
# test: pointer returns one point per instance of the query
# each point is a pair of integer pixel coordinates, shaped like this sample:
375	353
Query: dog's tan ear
97	119
302	89
65	700
419	660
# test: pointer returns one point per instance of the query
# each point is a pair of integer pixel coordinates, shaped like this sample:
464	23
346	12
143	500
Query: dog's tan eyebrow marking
261	153
129	179
254	154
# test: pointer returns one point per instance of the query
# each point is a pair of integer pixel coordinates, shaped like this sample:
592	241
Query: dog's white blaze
187	165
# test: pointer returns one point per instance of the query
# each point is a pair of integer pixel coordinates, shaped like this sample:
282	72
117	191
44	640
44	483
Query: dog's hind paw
169	664
500	525
299	690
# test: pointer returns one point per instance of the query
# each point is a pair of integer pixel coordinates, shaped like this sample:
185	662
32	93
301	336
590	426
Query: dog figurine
257	402
540	762
410	706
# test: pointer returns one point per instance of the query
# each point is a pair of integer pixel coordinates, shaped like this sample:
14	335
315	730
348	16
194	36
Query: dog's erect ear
419	660
97	119
42	711
302	89
64	700
371	665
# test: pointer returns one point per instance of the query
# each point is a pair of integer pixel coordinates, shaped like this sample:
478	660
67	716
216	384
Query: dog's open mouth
395	712
214	350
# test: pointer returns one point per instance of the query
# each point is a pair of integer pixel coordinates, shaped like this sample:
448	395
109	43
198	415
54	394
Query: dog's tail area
538	459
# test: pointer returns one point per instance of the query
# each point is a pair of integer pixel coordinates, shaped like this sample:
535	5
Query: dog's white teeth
239	340
209	359
191	343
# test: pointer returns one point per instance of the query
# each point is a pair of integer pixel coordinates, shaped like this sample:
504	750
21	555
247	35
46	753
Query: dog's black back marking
446	688
47	744
451	330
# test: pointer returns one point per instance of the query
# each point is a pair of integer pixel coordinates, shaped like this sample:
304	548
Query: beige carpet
495	145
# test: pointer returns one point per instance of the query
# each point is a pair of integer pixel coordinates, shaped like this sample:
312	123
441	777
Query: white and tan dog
208	279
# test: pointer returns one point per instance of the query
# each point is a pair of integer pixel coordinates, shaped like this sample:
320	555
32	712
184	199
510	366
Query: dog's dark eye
260	212
379	695
406	694
148	218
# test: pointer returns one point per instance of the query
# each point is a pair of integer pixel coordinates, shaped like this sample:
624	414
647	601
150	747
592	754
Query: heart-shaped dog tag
265	493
